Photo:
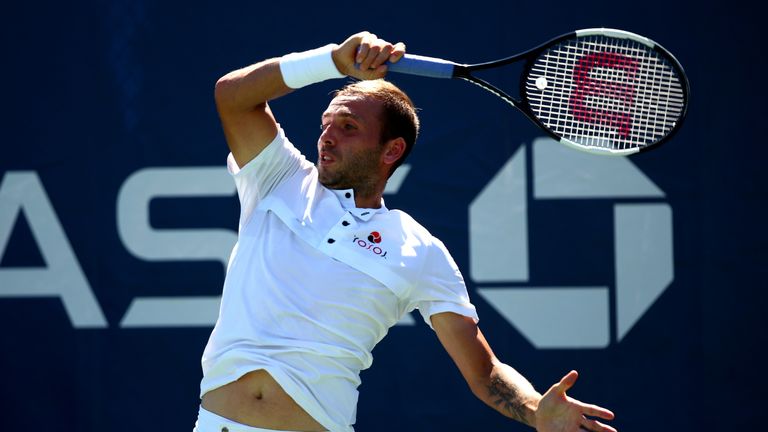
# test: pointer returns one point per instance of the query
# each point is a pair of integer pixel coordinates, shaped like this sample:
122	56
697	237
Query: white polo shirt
314	283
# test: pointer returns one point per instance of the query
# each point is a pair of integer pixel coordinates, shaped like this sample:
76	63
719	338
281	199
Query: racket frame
465	72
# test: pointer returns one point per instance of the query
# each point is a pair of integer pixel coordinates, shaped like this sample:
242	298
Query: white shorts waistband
210	422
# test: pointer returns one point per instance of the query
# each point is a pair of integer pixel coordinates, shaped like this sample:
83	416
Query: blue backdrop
115	209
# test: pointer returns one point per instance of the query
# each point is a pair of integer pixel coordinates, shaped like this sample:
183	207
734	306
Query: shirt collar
347	200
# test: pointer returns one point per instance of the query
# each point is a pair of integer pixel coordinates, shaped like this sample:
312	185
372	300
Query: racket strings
605	92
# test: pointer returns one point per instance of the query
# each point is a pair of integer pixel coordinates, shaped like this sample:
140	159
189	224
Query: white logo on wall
570	316
549	317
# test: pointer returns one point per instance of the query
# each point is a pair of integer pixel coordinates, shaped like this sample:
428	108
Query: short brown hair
399	118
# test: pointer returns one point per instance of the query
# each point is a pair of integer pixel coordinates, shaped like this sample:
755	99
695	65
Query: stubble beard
357	173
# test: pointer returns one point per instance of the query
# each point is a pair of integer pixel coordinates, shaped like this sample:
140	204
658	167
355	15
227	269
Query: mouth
326	159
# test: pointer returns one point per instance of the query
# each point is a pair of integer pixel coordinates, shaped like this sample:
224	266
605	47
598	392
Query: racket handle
424	66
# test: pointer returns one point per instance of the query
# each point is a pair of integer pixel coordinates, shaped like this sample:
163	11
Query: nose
327	137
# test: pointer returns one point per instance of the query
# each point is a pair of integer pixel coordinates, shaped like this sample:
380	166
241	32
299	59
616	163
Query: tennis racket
600	90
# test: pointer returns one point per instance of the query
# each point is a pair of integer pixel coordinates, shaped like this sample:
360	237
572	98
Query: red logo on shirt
370	245
374	237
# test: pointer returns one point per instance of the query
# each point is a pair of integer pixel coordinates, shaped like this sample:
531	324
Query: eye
349	126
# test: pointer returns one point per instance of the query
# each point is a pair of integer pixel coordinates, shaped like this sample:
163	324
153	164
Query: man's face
349	147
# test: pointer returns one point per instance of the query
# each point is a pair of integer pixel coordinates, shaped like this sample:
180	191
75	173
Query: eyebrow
343	114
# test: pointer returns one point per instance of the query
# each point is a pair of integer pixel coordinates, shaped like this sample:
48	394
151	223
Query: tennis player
322	269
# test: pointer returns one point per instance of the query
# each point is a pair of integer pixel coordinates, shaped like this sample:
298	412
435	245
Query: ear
393	151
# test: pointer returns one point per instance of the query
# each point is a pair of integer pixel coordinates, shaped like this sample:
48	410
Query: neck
368	194
367	202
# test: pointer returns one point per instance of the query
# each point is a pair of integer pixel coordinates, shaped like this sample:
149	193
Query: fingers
594	410
567	381
595	426
364	49
557	408
372	53
397	53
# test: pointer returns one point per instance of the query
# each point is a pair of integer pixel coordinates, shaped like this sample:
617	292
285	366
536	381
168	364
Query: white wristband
309	67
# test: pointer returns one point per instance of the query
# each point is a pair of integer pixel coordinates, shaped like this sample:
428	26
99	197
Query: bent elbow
223	91
232	95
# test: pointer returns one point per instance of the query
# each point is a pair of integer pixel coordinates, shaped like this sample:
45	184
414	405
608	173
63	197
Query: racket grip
423	66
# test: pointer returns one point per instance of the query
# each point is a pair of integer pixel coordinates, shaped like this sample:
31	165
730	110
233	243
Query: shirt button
345	223
225	429
331	240
348	195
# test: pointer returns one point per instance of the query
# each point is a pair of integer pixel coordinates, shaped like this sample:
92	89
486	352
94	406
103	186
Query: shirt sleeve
254	181
441	287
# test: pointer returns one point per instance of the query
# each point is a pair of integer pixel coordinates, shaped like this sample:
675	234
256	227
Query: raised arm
241	99
501	387
242	95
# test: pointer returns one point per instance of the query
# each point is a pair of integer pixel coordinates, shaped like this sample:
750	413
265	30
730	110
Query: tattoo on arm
507	398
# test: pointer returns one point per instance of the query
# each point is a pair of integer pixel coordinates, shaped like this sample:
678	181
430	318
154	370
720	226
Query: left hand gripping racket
603	91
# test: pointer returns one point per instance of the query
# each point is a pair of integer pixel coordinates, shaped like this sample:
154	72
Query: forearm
509	393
